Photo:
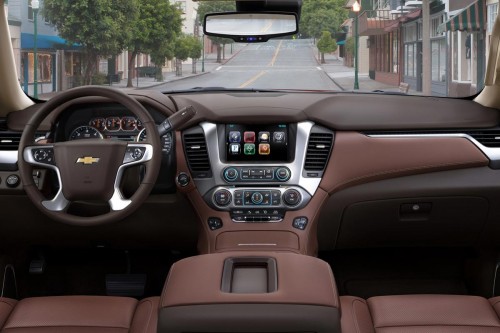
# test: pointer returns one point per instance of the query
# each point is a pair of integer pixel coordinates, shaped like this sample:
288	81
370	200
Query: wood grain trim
358	159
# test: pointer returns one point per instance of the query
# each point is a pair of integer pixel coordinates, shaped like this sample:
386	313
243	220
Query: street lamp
35	5
203	54
356	7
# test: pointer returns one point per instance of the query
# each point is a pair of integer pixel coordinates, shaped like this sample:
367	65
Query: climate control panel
235	198
236	174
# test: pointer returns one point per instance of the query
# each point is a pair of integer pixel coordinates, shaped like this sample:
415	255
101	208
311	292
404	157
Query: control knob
283	174
257	198
292	197
222	197
231	174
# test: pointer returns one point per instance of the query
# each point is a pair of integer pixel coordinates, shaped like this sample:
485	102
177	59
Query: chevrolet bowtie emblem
87	160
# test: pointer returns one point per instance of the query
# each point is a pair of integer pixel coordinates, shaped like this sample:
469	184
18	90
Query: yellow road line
263	30
276	54
253	79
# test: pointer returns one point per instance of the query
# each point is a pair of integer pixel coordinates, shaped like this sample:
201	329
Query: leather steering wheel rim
152	164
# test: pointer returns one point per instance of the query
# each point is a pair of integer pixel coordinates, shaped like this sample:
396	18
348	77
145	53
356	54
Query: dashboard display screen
247	143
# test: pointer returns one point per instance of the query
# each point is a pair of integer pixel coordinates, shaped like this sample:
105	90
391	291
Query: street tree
158	23
181	52
206	7
195	48
326	44
99	28
320	15
159	56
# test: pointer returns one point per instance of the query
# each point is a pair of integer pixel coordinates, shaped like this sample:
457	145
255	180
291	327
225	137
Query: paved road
277	64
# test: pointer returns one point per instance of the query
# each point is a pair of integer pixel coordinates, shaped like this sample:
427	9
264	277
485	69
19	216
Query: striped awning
471	18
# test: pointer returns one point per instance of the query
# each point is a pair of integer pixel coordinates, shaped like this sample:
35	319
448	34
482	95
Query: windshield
426	47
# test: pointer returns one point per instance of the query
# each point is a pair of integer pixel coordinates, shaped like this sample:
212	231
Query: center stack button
231	174
222	197
283	174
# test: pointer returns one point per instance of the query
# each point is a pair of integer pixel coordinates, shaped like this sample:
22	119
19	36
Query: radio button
231	174
283	174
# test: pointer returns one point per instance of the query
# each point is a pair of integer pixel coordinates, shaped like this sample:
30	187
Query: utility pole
426	49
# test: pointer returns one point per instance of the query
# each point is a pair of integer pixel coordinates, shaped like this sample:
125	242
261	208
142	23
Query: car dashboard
304	172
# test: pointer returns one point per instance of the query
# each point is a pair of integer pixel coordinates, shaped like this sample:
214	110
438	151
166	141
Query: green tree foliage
157	24
99	26
206	7
186	46
320	15
326	44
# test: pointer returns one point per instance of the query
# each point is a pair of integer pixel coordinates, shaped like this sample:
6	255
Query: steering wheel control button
231	174
134	154
222	197
13	181
214	223
43	155
283	174
300	223
183	179
291	197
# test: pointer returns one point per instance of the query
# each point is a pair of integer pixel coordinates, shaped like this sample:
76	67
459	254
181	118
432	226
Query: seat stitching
355	316
150	314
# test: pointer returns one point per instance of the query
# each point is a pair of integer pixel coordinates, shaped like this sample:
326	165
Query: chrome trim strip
117	201
493	154
296	167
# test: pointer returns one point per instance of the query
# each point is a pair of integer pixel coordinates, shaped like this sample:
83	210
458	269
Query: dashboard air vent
195	147
9	140
487	138
318	150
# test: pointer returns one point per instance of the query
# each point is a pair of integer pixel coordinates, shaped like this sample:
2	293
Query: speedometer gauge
85	132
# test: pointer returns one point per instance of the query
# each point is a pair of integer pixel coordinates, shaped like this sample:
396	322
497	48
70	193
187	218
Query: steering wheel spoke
41	155
137	153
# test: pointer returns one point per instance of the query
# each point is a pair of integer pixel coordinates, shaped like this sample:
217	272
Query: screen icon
279	137
264	137
264	149
249	137
249	149
234	149
234	137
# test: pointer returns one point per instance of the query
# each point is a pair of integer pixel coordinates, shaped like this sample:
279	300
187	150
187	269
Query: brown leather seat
79	314
420	313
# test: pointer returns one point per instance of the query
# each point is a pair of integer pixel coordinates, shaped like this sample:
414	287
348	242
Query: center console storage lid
301	280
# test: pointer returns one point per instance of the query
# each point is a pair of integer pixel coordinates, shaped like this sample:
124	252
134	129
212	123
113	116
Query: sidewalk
343	76
187	70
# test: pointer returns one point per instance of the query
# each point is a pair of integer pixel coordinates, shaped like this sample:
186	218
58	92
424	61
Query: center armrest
276	287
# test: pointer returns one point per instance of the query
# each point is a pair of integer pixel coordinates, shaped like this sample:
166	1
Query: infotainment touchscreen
247	143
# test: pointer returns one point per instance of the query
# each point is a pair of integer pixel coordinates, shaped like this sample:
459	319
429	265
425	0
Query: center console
255	177
251	293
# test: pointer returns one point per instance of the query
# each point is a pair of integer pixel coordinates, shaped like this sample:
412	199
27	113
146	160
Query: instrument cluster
123	128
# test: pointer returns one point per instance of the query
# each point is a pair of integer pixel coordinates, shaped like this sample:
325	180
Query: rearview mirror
250	27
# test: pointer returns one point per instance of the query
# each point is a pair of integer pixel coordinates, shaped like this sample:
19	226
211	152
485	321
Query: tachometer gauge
113	124
85	132
139	124
98	123
129	124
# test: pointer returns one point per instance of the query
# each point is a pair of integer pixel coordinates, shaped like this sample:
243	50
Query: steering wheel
89	169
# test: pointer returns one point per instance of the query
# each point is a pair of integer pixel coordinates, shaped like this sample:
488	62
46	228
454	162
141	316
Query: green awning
471	18
341	42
